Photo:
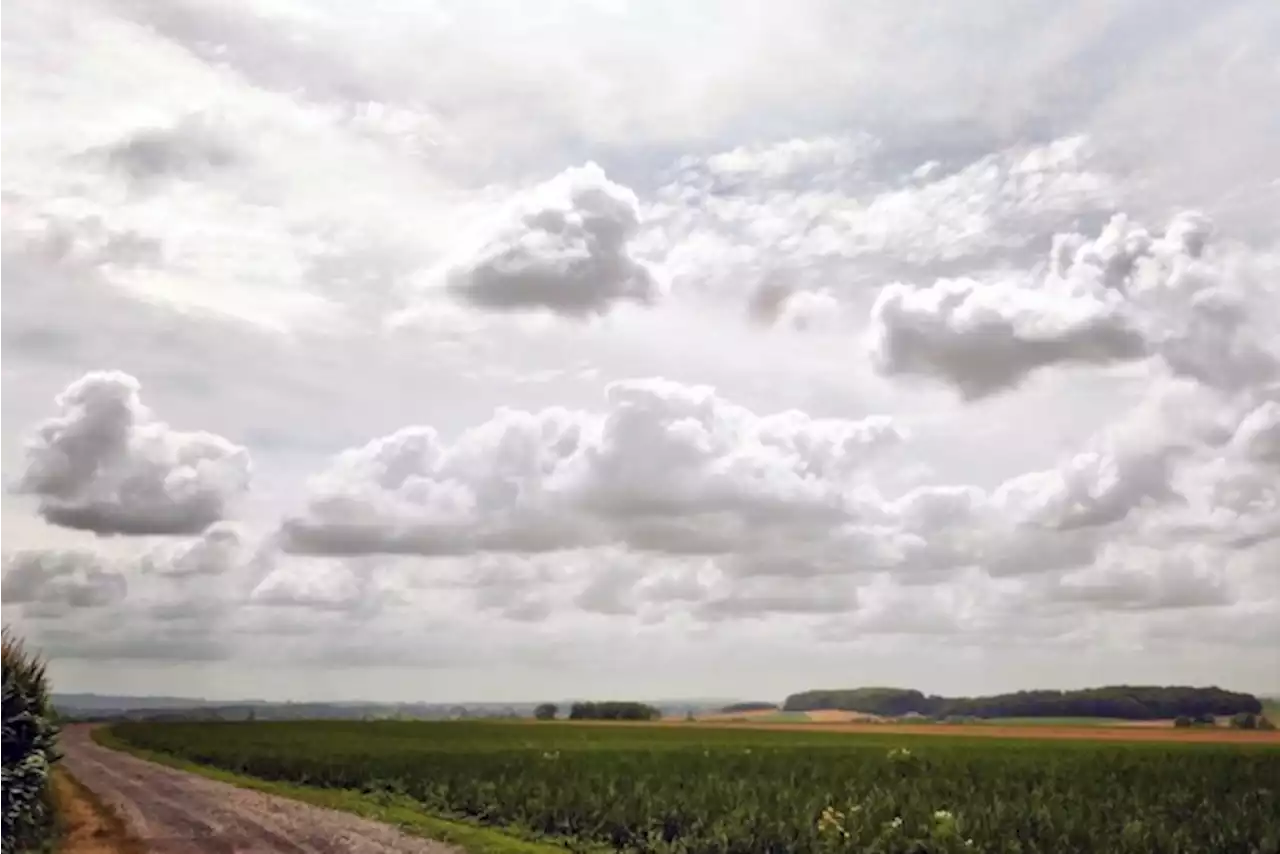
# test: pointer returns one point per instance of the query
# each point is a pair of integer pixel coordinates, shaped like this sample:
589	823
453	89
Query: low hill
1125	702
116	702
89	707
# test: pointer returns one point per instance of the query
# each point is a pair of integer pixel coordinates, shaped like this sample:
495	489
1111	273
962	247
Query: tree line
1128	702
1240	720
609	710
751	706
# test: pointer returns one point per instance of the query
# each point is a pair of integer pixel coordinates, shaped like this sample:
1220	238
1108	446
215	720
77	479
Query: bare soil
86	825
174	812
825	716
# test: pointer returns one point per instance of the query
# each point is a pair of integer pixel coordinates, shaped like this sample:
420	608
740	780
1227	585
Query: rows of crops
701	789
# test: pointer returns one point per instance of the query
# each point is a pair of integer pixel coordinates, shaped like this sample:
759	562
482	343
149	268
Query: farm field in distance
856	719
776	788
1019	728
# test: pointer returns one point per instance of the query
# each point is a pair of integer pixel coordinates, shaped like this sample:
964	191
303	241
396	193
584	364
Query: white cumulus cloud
1122	296
219	549
664	467
105	464
563	245
984	337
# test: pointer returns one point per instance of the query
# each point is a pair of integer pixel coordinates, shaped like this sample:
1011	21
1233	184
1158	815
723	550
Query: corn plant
29	750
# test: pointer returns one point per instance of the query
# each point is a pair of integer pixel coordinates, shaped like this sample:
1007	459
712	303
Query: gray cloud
1258	436
983	338
52	578
185	599
1100	488
1220	343
105	464
220	549
184	149
1119	297
562	246
609	589
351	586
1128	580
762	598
151	642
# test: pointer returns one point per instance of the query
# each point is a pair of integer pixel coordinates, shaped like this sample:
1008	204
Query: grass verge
397	811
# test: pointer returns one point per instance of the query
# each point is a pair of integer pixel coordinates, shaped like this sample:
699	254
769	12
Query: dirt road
174	812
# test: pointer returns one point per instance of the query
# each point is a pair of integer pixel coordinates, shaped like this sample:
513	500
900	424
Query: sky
453	351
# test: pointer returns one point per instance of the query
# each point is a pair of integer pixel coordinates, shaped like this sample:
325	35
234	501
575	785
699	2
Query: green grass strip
398	811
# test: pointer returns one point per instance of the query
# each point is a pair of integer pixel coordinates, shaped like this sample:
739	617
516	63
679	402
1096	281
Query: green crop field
703	789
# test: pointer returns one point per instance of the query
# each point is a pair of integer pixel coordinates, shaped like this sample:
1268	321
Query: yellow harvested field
833	720
771	716
835	716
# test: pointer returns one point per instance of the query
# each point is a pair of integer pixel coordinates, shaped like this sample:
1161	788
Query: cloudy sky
497	351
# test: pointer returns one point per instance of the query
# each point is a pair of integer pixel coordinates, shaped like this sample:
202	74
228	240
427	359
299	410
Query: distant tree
613	711
1207	718
1182	721
546	712
1244	720
1130	702
1266	723
753	706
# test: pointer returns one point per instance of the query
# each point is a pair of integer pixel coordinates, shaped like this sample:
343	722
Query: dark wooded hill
1128	702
